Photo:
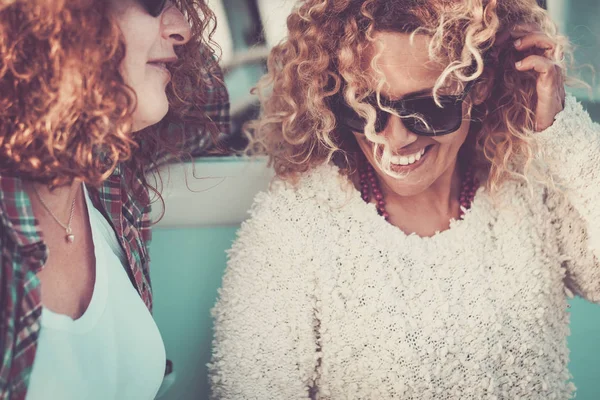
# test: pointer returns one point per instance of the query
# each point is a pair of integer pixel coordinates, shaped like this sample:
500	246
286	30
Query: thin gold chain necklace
69	237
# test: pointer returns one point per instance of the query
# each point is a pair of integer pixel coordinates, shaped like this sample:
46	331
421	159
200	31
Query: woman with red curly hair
93	95
435	209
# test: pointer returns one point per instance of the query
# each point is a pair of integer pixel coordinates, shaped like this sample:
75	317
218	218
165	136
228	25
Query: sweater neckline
368	211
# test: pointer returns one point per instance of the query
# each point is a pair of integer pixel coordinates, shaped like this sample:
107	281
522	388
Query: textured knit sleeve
264	344
571	152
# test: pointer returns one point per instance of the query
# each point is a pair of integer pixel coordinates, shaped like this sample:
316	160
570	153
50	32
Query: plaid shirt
23	252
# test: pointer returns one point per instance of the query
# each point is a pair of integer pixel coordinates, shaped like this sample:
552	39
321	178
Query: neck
428	212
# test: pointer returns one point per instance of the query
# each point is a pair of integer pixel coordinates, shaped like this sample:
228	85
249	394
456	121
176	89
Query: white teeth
409	159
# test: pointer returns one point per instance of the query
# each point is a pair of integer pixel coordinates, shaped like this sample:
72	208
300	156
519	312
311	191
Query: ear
483	87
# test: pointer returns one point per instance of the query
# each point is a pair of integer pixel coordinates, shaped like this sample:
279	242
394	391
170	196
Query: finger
524	29
549	82
539	64
535	40
549	76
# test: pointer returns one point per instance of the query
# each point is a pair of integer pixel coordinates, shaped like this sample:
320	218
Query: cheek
133	73
140	35
453	142
134	66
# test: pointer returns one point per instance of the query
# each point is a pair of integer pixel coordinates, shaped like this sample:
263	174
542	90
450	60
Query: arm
265	346
571	152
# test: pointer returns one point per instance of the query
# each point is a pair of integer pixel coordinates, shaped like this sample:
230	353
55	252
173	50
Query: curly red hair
66	112
322	58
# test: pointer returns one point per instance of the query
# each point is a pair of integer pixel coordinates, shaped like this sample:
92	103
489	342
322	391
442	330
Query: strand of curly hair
66	112
323	57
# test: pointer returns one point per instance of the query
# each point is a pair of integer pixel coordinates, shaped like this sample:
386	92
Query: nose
175	28
397	135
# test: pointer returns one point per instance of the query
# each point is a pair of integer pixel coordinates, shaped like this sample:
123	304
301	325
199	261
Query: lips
161	63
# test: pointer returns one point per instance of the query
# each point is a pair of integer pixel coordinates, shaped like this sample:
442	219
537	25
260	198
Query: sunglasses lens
350	119
433	120
381	121
154	7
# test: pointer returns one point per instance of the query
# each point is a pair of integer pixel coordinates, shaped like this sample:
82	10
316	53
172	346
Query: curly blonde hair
65	110
321	59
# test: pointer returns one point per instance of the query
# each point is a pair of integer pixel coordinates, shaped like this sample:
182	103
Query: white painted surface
558	12
213	191
274	15
222	35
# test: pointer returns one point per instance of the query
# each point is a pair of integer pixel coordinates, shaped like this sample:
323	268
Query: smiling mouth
410	161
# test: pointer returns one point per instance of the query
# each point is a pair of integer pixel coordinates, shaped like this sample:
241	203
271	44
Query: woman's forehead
404	63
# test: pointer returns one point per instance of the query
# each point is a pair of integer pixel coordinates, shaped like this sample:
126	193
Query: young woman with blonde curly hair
434	209
93	94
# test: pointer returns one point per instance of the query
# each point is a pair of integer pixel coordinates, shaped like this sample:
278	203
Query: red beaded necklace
369	184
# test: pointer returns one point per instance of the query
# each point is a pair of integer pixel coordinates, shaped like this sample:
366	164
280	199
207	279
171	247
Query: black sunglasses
420	114
154	7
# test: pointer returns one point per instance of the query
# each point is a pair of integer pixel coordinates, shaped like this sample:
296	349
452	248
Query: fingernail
518	43
519	63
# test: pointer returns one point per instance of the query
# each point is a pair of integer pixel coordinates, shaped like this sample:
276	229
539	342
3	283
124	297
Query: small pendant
70	237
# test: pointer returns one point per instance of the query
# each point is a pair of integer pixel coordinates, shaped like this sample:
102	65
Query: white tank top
114	350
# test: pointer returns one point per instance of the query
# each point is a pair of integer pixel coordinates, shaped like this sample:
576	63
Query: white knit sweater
324	298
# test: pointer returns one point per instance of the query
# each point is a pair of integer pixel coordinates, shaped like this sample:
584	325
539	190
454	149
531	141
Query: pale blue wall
187	266
585	348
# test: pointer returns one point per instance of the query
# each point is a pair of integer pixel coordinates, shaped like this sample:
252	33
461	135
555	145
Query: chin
405	190
410	186
148	116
